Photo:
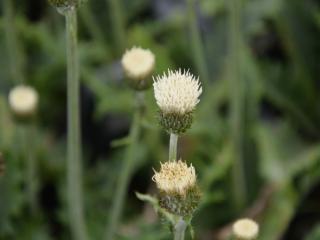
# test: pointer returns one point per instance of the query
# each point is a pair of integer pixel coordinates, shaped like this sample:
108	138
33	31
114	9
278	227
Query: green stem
180	229
125	174
15	58
74	168
237	103
31	168
197	44
24	131
118	24
173	145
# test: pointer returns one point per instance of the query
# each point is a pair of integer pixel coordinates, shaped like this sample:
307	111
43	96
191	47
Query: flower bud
245	229
177	94
138	65
64	5
23	102
179	192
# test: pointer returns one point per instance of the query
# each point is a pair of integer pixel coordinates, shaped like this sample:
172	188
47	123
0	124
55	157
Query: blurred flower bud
245	229
179	192
177	94
64	5
23	102
138	65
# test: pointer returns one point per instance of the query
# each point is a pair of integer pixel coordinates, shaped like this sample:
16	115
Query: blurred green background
259	115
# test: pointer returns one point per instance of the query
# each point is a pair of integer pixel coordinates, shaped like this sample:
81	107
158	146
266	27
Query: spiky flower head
23	101
175	177
245	229
177	94
138	65
177	182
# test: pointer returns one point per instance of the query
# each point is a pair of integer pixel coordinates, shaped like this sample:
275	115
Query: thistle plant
138	65
245	229
177	94
68	8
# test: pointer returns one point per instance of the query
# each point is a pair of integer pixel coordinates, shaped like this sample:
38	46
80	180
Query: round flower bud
23	102
179	192
245	229
138	65
177	94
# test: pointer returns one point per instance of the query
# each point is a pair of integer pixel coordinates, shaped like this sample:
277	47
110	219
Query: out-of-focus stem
173	146
91	23
126	172
118	24
31	168
74	166
197	44
180	229
15	58
237	103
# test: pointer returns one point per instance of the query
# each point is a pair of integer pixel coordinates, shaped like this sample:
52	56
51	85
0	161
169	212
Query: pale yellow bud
138	65
23	101
245	229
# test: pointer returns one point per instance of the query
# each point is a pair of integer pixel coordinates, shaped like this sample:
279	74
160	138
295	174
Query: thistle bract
64	5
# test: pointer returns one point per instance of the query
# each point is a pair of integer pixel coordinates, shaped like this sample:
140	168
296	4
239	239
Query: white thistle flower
175	177
23	100
138	63
245	229
177	92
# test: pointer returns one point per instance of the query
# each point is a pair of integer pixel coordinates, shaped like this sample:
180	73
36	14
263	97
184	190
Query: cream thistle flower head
177	182
23	101
175	177
245	229
177	94
138	65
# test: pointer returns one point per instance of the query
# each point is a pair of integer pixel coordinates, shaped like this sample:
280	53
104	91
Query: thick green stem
118	24
180	229
197	44
125	174
13	48
173	146
237	103
74	168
